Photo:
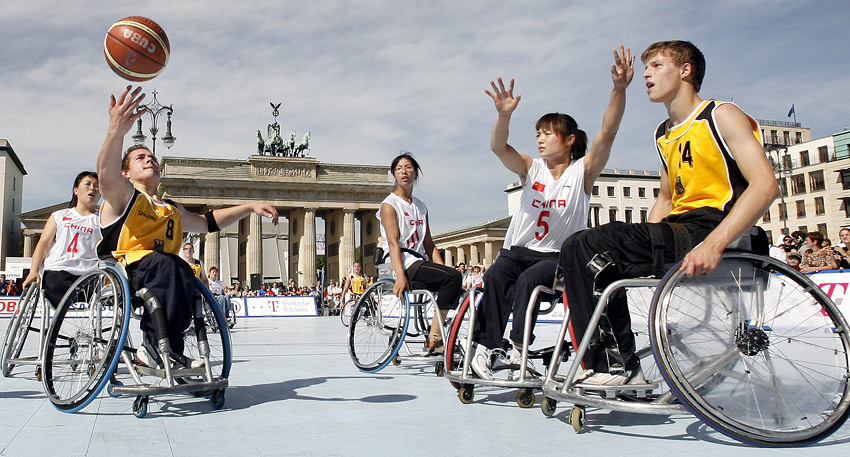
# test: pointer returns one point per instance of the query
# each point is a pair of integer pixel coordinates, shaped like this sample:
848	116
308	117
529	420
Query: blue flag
791	112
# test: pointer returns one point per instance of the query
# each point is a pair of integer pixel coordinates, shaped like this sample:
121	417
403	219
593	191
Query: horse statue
273	145
289	146
302	148
260	143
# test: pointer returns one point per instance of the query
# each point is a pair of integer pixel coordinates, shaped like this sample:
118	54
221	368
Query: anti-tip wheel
578	418
548	406
140	406
217	399
525	398
466	394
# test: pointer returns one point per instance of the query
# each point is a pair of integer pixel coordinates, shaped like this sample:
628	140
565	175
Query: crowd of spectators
811	252
237	289
472	276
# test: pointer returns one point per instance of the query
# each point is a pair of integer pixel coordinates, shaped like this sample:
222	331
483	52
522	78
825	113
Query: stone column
447	257
473	254
29	244
488	254
254	250
307	249
461	256
212	251
346	242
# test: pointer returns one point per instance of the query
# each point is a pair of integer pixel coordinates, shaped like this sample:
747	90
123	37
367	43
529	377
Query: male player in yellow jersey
355	282
145	232
715	183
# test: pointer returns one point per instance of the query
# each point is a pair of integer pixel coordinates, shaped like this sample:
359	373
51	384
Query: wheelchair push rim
754	349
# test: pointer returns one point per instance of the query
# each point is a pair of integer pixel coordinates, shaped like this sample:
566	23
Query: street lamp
155	109
782	167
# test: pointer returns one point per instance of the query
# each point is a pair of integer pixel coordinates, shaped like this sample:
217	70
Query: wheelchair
90	346
20	326
459	351
380	323
347	308
754	349
223	302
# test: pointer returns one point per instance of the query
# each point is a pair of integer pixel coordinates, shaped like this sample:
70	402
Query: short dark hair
125	161
681	52
817	237
408	156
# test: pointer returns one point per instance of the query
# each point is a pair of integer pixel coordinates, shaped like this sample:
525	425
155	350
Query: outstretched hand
503	99
623	68
266	210
122	111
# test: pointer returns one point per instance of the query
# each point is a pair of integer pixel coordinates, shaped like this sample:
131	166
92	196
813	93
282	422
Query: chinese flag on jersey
538	186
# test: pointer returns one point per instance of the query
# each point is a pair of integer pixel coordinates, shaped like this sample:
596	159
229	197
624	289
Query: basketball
136	48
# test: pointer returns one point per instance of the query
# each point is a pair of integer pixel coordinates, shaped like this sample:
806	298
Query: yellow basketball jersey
145	226
196	268
358	284
701	170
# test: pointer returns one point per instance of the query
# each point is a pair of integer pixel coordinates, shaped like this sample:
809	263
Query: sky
370	78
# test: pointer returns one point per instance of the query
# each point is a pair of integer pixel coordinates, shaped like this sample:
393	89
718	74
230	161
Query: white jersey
549	210
412	225
214	287
74	248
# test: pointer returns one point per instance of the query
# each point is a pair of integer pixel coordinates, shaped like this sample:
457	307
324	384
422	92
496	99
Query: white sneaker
608	379
516	359
147	359
480	362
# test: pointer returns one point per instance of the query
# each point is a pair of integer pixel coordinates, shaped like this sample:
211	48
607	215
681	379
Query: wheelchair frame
696	390
463	378
19	328
104	347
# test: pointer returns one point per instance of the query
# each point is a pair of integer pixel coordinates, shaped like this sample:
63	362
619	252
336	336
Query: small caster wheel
525	398
140	406
396	361
466	394
548	406
110	389
577	418
439	369
217	399
38	373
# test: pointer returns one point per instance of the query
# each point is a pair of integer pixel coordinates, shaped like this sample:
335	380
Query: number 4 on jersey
72	246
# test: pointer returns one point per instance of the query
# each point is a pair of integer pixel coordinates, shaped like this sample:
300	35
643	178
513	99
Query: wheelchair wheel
347	310
85	338
456	342
19	326
218	336
377	327
754	349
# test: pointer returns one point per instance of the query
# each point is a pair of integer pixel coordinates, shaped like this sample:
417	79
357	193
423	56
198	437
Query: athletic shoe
185	362
627	377
480	362
515	360
148	357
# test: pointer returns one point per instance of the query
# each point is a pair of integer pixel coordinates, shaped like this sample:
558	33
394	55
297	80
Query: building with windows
12	183
814	183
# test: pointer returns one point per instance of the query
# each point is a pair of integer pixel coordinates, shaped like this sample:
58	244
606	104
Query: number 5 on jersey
541	222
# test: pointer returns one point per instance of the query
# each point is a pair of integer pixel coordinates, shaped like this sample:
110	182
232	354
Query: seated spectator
793	260
818	258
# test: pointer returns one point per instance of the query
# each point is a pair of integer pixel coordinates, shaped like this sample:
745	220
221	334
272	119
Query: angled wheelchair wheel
347	310
19	327
456	342
85	338
377	327
754	349
218	336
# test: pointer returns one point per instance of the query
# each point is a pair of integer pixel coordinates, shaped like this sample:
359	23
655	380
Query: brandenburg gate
302	189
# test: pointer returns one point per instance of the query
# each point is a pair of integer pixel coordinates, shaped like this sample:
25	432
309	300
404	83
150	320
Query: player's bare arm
622	71
664	203
761	191
114	186
389	220
197	223
506	103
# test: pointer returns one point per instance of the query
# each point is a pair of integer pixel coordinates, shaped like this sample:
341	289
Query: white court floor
294	391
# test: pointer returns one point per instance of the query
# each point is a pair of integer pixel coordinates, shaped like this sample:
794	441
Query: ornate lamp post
782	167
155	109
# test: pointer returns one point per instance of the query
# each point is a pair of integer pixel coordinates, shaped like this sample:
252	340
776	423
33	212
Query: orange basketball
136	48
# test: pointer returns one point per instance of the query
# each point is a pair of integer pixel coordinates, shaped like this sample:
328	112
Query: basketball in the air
136	48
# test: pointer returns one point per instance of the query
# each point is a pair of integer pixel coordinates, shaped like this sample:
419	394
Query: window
823	154
774	138
628	216
595	191
596	211
786	137
655	192
845	179
644	215
822	229
786	162
612	214
804	158
816	181
803	228
642	192
801	208
783	186
819	207
783	211
766	217
610	191
799	137
845	206
627	191
798	184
